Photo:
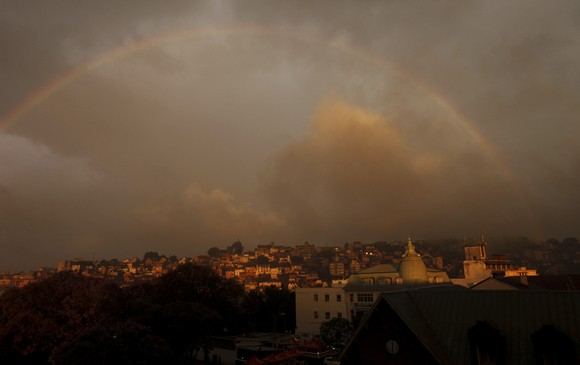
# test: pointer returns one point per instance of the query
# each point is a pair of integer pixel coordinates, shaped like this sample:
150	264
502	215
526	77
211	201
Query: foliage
151	255
121	343
236	248
336	332
70	319
188	305
214	252
35	319
270	310
262	260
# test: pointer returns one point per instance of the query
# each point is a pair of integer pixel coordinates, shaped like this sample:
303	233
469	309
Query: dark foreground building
545	282
469	327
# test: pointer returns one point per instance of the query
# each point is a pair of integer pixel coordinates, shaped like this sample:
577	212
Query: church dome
413	269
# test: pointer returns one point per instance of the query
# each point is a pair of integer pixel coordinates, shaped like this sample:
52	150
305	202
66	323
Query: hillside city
303	305
308	265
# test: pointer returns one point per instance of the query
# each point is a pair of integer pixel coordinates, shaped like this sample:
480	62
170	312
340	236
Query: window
552	346
351	298
369	281
315	314
327	315
327	297
487	344
365	297
316	297
338	298
384	281
392	347
339	315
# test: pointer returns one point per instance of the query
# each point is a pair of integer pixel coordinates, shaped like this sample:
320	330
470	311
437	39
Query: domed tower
413	269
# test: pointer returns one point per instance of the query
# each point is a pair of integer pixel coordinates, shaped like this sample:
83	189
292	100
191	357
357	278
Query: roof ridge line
439	355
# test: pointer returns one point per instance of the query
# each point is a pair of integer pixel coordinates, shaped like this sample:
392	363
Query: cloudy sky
179	125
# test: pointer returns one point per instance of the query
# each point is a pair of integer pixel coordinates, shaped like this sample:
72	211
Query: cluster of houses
299	266
303	265
414	313
402	301
352	298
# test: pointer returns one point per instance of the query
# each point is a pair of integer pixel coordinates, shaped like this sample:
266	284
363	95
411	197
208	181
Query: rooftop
441	319
379	269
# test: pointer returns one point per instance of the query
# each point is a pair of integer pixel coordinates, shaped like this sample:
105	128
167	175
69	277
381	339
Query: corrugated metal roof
544	282
441	319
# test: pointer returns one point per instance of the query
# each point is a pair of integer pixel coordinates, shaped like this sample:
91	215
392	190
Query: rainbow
455	117
38	96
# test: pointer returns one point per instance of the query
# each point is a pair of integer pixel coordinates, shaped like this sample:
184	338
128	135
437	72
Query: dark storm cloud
40	39
202	141
357	176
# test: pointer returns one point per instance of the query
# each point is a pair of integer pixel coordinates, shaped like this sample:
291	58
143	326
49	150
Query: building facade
487	327
478	266
315	306
352	299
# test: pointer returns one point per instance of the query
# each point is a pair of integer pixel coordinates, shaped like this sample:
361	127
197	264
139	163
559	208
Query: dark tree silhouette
151	255
262	260
70	319
236	248
124	343
270	309
336	332
190	304
36	319
214	252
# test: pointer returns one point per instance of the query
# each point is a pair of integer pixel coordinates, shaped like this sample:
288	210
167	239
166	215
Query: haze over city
145	125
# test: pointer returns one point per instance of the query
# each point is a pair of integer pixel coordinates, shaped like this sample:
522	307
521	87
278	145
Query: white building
317	305
478	266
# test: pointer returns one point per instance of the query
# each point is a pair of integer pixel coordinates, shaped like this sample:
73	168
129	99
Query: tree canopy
70	319
336	332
